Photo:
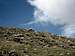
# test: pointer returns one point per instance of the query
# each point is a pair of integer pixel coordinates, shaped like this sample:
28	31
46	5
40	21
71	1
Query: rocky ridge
27	42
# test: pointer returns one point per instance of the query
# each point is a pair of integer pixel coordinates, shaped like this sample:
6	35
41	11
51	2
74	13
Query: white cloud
58	12
69	30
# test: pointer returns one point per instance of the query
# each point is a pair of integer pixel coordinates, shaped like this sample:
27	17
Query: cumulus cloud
57	12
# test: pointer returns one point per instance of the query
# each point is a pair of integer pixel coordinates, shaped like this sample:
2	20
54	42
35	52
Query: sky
15	12
55	16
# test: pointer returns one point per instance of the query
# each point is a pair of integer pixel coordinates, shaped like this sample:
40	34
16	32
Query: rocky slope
27	42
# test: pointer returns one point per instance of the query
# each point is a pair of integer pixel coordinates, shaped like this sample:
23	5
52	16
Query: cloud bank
57	12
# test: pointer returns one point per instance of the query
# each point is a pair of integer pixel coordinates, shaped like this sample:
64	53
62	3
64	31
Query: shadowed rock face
27	42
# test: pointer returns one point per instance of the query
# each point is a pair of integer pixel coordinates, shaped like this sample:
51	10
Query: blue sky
15	12
20	13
